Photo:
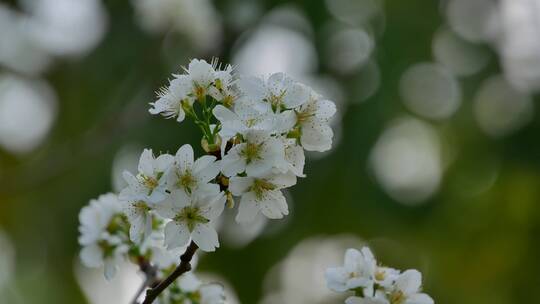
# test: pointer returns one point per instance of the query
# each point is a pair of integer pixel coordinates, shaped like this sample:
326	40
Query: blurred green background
435	165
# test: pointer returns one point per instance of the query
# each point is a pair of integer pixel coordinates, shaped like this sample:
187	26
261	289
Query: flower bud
209	148
230	200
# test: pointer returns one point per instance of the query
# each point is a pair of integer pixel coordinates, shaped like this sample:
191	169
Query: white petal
92	256
285	121
205	237
206	168
163	162
232	163
215	208
180	87
180	199
167	209
295	156
212	294
110	269
188	282
238	185
146	163
130	179
184	157
316	136
325	109
296	96
282	181
176	234
336	279
181	115
273	204
409	282
419	298
354	300
223	114
201	72
259	167
252	87
248	209
352	258
136	229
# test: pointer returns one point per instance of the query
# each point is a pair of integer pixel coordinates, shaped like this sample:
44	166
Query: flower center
228	101
186	181
260	186
117	223
191	216
149	182
140	206
251	152
276	101
397	297
380	275
108	249
200	92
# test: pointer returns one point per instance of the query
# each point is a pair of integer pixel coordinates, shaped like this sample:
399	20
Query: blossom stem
183	267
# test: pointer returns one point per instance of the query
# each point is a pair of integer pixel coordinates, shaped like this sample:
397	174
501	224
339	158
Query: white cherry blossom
244	117
294	160
191	290
174	98
149	184
313	118
256	156
224	88
140	218
103	245
190	175
202	74
191	218
379	298
407	289
278	90
261	194
358	271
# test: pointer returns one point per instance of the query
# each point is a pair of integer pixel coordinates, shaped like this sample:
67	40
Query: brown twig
185	266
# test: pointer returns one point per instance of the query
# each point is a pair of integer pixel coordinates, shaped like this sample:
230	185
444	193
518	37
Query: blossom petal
206	168
146	163
409	282
92	256
184	157
419	298
273	204
239	185
205	237
176	234
325	109
316	136
248	209
110	269
232	163
336	279
163	162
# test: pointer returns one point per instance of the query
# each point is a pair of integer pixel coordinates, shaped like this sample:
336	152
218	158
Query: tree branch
150	273
185	266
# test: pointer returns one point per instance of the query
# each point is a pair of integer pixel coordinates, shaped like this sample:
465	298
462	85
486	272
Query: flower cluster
188	289
254	133
371	283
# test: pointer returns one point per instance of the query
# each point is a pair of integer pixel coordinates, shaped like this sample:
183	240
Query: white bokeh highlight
500	109
407	161
27	113
461	57
430	90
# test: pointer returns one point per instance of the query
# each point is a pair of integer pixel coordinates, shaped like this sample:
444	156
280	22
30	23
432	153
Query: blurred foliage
472	247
